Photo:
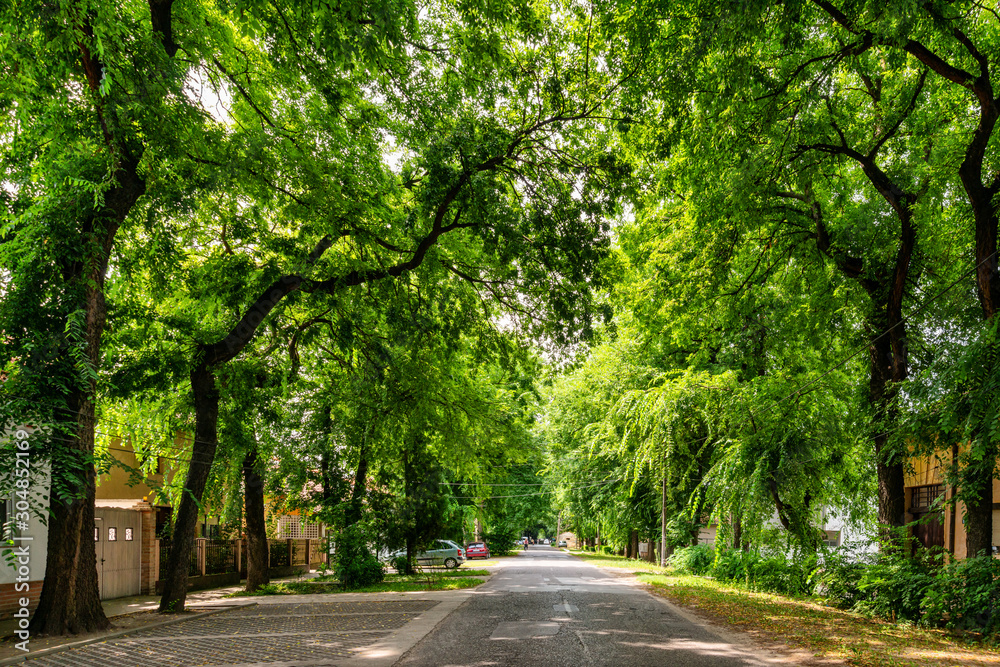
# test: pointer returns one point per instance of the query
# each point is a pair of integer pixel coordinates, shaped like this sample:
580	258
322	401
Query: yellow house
941	523
117	487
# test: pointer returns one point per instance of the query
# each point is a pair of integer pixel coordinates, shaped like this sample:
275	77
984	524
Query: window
925	497
112	534
128	534
832	538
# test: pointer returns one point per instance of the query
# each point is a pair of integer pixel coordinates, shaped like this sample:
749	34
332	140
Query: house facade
936	522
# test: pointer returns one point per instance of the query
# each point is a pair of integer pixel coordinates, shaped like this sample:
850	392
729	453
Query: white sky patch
201	90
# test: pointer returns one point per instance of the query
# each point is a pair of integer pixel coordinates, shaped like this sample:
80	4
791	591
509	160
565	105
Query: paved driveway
292	631
548	606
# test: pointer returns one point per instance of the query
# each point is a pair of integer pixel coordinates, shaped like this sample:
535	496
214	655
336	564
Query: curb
114	635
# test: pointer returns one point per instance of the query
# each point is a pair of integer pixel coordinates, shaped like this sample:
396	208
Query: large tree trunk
888	465
978	479
887	349
206	402
70	600
253	497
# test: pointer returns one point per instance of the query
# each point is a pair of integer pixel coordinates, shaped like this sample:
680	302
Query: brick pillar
149	549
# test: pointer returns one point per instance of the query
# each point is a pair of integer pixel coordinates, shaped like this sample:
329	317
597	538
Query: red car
477	550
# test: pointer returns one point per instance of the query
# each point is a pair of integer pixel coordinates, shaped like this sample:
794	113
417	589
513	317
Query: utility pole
663	522
558	527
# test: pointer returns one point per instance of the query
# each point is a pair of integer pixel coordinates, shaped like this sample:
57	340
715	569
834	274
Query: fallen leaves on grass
823	631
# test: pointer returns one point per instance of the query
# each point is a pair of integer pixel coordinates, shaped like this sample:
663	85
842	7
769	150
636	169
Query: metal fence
220	556
280	554
193	569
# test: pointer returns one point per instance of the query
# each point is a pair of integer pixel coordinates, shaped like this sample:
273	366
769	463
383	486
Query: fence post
308	553
201	556
238	549
155	569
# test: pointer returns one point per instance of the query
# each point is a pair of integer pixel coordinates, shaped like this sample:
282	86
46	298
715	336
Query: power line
541	493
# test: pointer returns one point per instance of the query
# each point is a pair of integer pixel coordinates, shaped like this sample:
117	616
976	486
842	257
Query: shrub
356	566
400	564
965	595
501	541
735	566
893	586
694	560
606	550
775	573
839	581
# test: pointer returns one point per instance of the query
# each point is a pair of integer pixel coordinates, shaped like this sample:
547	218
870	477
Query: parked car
477	550
546	541
447	553
562	543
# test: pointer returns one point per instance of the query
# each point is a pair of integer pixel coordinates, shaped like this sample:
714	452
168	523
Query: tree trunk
887	350
354	510
70	599
979	512
206	402
979	478
253	497
633	544
883	398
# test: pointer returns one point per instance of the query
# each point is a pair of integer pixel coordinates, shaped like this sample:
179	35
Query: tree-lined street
334	287
548	605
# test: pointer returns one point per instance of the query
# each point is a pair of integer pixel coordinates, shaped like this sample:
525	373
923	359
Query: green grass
434	580
809	625
402	584
606	560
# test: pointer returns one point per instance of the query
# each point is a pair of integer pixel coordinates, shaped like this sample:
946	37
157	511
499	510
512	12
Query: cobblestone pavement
312	633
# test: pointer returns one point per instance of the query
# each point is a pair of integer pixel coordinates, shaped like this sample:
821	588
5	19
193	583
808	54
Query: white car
447	553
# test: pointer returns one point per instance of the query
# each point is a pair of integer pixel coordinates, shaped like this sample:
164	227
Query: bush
888	585
693	560
893	587
501	541
839	581
356	566
735	566
775	574
965	595
401	564
606	550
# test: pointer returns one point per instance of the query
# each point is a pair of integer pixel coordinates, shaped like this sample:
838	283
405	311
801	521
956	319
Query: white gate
117	534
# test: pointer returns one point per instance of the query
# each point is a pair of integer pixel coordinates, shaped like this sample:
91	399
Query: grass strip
807	624
393	583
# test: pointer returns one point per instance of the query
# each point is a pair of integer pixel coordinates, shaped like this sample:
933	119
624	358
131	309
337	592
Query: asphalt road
547	605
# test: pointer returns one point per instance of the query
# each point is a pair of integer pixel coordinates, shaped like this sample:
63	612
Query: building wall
115	483
36	530
928	470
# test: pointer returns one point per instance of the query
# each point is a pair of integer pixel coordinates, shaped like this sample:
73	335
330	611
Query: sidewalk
346	630
132	613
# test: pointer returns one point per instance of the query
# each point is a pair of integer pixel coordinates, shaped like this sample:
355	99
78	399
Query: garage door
118	551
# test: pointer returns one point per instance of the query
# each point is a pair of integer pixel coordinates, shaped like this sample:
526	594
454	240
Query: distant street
550	606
